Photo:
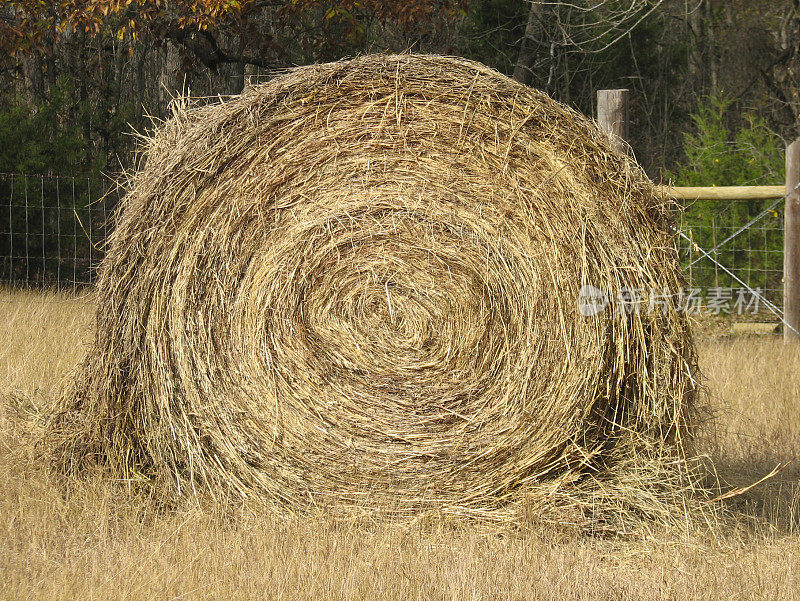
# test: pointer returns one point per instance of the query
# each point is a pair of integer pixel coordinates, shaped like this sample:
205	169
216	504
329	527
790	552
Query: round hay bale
358	285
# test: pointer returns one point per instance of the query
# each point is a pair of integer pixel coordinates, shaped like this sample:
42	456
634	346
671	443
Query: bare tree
523	71
557	29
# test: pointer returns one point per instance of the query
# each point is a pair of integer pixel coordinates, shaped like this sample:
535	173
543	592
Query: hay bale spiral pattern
357	286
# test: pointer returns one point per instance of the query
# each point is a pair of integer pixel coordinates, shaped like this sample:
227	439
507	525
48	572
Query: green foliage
718	156
43	141
40	139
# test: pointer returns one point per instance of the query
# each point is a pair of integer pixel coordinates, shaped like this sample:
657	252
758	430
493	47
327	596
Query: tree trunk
170	82
696	42
712	46
32	72
523	72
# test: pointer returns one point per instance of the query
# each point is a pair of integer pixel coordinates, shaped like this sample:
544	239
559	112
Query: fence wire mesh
53	231
753	254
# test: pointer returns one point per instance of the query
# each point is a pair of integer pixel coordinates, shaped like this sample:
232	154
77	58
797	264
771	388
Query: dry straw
356	287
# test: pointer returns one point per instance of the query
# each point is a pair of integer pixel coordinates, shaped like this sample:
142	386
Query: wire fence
744	242
53	231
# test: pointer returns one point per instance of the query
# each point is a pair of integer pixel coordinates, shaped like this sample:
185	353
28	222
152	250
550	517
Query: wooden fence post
791	245
612	115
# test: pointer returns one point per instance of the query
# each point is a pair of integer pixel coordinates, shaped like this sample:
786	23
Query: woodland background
77	77
715	94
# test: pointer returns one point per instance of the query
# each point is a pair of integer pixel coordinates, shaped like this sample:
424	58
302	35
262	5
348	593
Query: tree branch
206	48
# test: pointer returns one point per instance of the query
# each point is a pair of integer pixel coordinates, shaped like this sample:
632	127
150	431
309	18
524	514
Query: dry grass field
93	541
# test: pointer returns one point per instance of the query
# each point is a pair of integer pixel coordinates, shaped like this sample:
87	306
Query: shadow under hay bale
357	286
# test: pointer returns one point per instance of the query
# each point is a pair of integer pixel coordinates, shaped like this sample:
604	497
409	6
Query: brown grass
356	286
96	542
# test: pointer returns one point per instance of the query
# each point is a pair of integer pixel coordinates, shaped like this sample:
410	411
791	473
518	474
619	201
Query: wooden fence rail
612	115
724	192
